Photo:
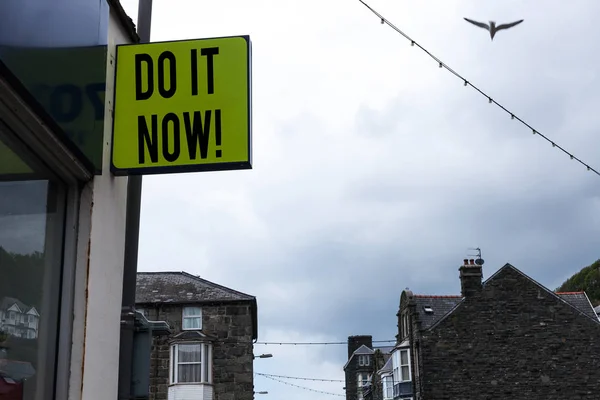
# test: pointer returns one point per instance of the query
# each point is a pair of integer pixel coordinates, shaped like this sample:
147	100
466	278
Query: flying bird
492	27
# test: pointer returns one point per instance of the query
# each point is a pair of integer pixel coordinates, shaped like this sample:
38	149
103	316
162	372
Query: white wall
99	278
190	392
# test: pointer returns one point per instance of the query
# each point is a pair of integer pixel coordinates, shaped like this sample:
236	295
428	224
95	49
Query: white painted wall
190	392
99	278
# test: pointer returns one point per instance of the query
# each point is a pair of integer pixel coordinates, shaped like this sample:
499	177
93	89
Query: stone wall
513	340
354	342
232	361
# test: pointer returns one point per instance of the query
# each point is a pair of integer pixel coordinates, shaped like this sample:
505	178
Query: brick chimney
471	275
354	342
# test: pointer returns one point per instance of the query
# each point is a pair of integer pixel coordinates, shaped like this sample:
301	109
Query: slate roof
363	350
184	288
580	301
16	370
181	287
8	302
440	305
387	367
597	309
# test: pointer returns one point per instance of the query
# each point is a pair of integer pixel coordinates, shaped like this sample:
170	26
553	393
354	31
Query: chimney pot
466	262
472	261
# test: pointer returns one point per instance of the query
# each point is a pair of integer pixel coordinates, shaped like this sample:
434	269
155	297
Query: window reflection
30	251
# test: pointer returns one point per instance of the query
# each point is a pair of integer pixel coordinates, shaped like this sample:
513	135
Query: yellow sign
183	106
12	167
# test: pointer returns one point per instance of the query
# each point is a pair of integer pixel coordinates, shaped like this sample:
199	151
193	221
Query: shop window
32	210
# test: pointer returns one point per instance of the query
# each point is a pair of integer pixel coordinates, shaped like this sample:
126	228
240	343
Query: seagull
492	28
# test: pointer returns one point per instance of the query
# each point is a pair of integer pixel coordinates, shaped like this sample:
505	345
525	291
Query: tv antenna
479	261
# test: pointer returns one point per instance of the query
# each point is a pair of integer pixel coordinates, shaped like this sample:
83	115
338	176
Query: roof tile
181	287
578	300
439	306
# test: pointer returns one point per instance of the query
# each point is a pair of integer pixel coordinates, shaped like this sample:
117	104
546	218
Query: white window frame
205	364
387	383
360	382
185	318
397	366
364	360
407	365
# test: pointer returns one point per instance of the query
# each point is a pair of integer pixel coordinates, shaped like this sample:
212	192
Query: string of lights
235	341
296	377
303	387
317	343
467	83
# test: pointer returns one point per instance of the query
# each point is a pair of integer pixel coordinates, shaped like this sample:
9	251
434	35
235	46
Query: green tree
588	280
22	276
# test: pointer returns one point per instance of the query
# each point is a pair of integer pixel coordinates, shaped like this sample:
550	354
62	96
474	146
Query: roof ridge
437	296
547	290
181	286
198	278
216	284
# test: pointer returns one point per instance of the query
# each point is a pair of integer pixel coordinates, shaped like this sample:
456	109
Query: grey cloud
354	198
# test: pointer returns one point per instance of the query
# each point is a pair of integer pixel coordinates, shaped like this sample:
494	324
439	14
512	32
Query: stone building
507	337
364	360
209	354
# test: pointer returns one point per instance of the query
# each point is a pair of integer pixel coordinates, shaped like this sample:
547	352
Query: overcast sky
375	170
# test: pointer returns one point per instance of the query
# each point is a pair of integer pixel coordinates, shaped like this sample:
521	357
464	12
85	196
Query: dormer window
364	360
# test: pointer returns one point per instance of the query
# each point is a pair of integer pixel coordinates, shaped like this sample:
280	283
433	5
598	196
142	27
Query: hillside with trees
22	277
588	279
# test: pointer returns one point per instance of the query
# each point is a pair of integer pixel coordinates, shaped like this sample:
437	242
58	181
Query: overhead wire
236	341
299	378
468	83
303	387
317	343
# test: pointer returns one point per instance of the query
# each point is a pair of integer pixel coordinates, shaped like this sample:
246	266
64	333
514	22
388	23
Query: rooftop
432	308
181	287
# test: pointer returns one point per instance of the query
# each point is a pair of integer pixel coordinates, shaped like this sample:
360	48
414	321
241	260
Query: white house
18	319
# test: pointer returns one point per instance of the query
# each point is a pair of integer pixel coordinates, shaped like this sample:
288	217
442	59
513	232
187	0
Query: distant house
13	374
507	337
209	355
18	319
364	360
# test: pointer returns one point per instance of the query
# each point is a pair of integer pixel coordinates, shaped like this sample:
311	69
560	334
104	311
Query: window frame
397	366
407	365
361	382
364	360
206	355
404	324
191	317
387	383
33	135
